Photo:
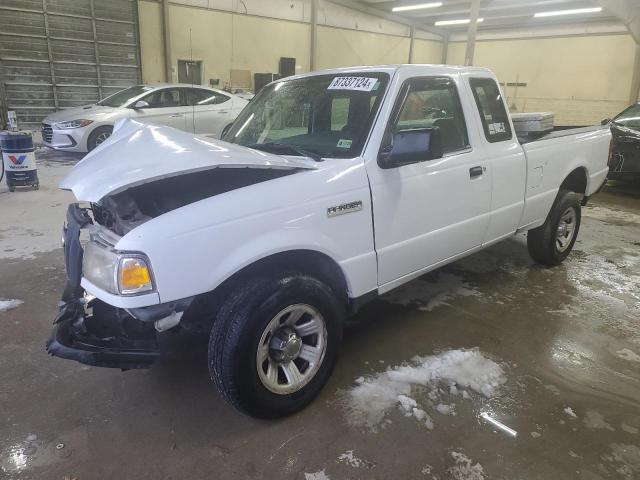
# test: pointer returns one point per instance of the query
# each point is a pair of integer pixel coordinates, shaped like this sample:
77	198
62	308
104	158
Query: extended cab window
494	117
433	102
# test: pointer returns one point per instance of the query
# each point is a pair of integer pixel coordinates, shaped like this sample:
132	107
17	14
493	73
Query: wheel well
204	308
576	181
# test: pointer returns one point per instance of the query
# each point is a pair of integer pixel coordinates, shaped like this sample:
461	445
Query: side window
433	102
168	97
494	117
200	97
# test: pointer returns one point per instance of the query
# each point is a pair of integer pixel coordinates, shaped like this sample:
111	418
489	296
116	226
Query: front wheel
98	136
552	242
274	344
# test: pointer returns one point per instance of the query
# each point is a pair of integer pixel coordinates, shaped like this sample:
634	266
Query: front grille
47	132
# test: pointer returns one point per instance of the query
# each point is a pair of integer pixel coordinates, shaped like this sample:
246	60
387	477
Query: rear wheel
274	344
552	242
98	136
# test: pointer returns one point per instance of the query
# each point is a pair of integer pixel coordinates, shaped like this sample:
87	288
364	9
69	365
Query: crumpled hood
138	153
88	112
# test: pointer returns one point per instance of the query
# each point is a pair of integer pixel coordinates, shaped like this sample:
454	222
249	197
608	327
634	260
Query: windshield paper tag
362	84
342	143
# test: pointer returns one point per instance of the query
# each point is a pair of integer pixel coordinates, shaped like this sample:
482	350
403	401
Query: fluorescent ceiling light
419	6
575	11
442	23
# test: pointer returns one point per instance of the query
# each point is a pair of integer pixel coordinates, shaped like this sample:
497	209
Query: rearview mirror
412	146
140	104
605	121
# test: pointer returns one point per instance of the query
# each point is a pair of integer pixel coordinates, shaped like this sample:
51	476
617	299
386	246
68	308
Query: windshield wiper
274	147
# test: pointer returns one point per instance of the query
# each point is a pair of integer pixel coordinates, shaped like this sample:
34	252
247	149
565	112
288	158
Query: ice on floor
349	458
594	420
629	355
625	460
629	429
367	403
9	304
430	293
443	409
569	411
463	468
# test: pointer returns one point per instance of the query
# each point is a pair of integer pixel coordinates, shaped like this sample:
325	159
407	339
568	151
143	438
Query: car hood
138	153
87	112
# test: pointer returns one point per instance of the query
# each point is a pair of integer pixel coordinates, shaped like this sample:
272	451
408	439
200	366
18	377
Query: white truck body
376	175
426	214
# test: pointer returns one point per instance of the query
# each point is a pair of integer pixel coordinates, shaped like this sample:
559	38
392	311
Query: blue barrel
19	159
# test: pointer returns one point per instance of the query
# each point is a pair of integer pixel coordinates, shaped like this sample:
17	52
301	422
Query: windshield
327	115
629	118
122	97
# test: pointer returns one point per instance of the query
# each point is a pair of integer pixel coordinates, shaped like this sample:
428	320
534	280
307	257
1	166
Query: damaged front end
93	332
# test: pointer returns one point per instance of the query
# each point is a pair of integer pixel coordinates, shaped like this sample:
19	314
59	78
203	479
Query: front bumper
71	140
106	337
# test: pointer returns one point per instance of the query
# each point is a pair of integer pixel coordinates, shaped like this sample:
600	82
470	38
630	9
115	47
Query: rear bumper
107	337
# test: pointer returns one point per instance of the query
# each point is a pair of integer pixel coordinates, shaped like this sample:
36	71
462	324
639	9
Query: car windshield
629	118
122	97
327	115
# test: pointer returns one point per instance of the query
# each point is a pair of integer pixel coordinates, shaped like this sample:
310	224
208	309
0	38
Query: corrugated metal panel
57	54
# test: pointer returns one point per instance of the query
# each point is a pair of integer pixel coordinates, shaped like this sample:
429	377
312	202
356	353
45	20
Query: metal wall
56	54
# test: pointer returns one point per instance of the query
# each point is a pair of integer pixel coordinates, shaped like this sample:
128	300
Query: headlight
119	273
73	124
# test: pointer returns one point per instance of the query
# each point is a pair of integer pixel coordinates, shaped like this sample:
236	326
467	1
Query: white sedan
194	109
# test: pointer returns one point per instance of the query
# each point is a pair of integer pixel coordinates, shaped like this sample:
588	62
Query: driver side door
429	211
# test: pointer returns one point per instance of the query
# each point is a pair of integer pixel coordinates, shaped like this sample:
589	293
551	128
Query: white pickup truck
331	188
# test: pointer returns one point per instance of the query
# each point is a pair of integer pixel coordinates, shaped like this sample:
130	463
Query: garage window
493	115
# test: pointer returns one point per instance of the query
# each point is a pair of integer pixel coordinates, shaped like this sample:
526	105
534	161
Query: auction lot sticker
362	84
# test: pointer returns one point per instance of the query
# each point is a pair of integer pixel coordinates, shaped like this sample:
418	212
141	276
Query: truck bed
558	132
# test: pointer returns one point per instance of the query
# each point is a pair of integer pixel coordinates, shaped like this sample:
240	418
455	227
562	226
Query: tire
244	319
547	244
98	136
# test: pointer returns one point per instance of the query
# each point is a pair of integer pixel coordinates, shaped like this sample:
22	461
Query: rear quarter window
493	115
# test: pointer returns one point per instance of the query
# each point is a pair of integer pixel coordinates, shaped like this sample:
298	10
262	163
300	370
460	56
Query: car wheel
98	136
552	242
274	344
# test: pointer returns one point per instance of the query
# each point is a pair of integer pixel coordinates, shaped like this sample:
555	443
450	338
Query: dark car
625	128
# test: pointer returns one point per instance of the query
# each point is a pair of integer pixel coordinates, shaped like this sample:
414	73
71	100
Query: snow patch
463	469
9	304
569	411
629	429
535	435
431	293
625	459
316	476
629	355
443	409
368	402
349	458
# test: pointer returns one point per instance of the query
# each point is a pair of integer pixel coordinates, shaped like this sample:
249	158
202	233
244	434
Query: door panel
212	110
429	211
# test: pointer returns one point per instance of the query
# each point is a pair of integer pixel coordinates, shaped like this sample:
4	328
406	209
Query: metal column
56	104
471	34
635	79
314	35
95	46
412	35
167	41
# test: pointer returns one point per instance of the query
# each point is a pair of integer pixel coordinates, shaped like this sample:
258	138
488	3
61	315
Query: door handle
177	115
223	111
475	172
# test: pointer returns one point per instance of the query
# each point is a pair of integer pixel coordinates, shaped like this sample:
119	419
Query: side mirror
412	146
605	121
140	104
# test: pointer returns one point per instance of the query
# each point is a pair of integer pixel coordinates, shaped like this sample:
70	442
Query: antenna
193	106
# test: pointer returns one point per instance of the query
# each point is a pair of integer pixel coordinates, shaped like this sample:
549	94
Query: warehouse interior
492	366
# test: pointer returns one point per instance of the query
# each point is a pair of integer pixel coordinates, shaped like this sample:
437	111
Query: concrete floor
567	338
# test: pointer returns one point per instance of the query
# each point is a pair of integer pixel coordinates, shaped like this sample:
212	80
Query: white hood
89	112
138	153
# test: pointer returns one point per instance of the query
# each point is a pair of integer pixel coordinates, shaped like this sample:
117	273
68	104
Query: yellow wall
151	42
225	41
582	79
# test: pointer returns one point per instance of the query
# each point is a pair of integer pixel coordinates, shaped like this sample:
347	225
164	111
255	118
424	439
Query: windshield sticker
495	128
343	143
361	84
